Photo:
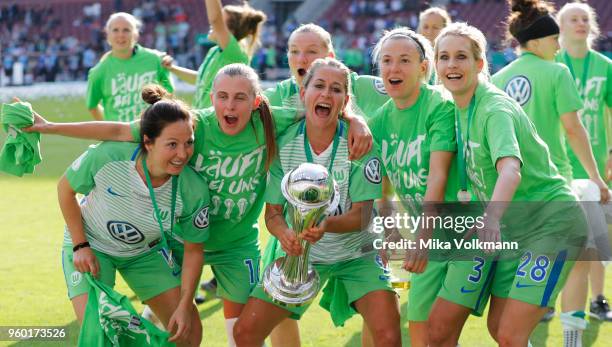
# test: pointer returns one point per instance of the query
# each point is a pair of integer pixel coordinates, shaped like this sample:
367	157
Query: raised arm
95	130
214	11
185	74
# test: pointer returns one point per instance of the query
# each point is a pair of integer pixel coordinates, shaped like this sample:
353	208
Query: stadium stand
59	40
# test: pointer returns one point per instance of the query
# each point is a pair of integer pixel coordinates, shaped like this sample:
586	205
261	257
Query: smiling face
575	25
171	150
121	34
234	101
325	97
304	48
456	65
431	25
401	68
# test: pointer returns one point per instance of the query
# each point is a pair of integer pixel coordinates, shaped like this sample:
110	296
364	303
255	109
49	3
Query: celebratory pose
235	30
352	273
306	44
234	144
117	80
592	72
115	229
506	161
431	22
420	118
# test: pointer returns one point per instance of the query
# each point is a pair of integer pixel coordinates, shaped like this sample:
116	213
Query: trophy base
287	294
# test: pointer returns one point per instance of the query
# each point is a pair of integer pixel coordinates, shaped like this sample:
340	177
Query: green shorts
236	271
344	283
463	282
535	279
148	274
546	259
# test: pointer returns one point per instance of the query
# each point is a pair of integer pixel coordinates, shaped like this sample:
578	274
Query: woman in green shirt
236	30
548	94
113	229
546	90
114	84
431	22
506	161
234	146
592	72
350	269
306	44
416	131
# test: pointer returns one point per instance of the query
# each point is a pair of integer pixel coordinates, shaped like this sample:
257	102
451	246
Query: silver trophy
312	194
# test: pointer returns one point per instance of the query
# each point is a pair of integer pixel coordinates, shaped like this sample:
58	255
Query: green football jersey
408	136
234	167
358	180
595	88
215	59
499	128
118	214
546	91
117	83
368	94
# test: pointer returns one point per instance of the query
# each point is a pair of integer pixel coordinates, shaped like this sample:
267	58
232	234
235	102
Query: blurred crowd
34	49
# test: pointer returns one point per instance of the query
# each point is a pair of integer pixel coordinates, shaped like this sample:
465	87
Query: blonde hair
317	30
403	33
478	43
135	22
245	22
594	32
265	114
435	10
335	64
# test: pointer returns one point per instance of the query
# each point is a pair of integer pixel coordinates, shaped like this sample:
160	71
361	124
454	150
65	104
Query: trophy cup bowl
311	195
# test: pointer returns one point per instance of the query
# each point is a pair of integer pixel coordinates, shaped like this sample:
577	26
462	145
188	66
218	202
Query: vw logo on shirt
372	171
519	89
124	232
201	219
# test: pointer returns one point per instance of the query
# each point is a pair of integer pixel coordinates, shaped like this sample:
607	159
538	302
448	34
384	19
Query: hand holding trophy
311	195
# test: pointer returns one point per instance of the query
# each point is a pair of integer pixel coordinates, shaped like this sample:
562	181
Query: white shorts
598	217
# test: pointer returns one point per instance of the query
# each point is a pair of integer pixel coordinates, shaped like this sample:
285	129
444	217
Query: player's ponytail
164	109
530	20
245	22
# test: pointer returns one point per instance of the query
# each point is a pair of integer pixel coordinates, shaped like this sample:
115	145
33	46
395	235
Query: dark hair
245	22
242	70
524	13
164	110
